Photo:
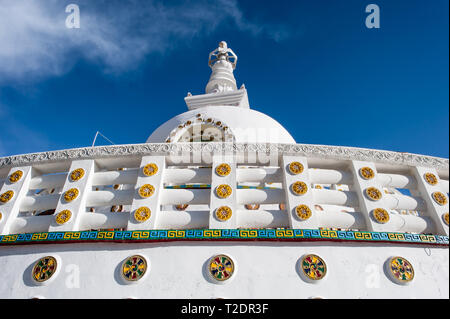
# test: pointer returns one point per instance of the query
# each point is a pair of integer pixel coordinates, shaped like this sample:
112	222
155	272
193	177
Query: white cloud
118	35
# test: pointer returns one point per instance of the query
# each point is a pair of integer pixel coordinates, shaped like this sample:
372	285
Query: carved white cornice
167	149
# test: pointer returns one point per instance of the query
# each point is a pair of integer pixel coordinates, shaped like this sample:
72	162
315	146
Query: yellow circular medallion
146	190
16	176
431	178
77	174
445	217
63	216
440	198
150	169
223	169
6	196
303	212
223	213
223	191
366	172
296	168
142	214
373	193
381	215
299	188
71	194
401	270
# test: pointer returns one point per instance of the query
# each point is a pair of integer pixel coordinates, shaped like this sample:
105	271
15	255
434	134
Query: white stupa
221	202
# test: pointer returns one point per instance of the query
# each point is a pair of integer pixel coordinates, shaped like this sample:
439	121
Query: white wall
264	270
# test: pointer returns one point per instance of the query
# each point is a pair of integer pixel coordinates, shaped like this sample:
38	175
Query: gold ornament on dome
71	194
150	169
296	168
223	191
299	188
63	216
6	196
431	178
16	176
440	198
77	174
223	213
303	212
142	214
373	193
366	172
381	215
223	169
146	190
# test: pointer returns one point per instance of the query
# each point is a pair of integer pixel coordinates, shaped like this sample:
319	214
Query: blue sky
311	65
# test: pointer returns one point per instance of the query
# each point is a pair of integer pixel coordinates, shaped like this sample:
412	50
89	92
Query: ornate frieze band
166	149
221	235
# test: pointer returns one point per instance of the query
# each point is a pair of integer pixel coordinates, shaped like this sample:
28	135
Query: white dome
242	124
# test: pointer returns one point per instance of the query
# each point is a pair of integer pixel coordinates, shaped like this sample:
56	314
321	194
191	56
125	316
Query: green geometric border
221	235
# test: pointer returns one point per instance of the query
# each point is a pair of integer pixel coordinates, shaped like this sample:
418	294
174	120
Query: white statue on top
223	53
222	61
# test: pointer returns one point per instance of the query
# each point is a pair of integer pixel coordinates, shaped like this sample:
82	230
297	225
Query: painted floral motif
6	196
134	268
16	176
431	178
366	172
401	269
44	269
142	214
150	169
381	215
373	193
223	169
221	267
296	168
303	212
223	213
223	191
71	194
77	174
299	188
146	190
63	216
440	198
313	267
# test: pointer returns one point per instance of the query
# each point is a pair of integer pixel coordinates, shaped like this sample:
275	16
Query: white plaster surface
264	270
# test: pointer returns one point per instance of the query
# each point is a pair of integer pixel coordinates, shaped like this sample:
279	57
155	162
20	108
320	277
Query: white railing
335	195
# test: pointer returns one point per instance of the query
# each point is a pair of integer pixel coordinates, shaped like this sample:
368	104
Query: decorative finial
222	61
222	53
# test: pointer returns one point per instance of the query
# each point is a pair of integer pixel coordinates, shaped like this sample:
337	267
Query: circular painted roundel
221	267
77	174
401	270
313	267
44	269
134	268
16	176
